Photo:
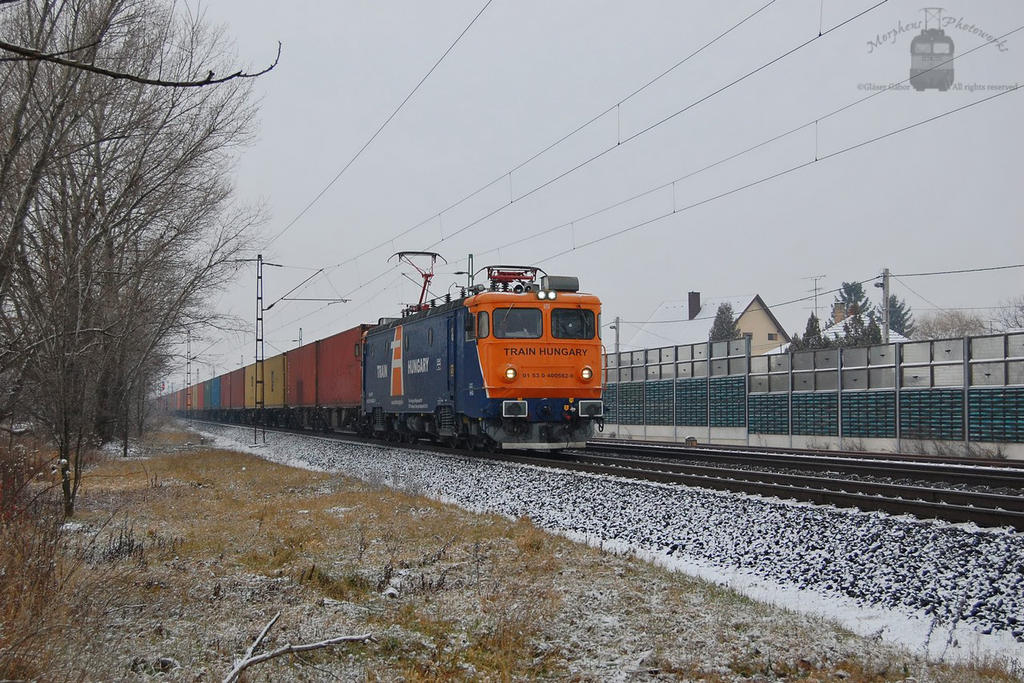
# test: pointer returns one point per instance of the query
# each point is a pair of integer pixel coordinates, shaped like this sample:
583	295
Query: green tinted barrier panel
658	402
816	414
728	401
996	414
610	399
692	402
631	403
869	414
932	414
769	413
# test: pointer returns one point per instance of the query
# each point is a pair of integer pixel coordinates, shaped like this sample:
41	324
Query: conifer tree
812	334
724	327
852	299
900	318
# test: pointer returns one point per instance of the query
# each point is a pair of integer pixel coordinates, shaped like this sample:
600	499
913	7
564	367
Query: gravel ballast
944	590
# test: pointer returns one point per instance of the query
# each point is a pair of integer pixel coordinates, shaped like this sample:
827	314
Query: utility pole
188	373
885	306
259	395
616	326
259	418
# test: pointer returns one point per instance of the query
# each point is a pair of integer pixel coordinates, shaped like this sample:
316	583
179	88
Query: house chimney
693	305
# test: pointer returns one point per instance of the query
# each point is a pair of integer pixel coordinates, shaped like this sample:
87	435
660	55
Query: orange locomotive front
539	350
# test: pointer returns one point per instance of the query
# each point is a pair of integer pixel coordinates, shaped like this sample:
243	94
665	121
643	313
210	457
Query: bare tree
949	324
1011	317
122	222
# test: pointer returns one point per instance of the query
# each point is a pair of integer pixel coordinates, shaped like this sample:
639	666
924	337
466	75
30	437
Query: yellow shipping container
273	383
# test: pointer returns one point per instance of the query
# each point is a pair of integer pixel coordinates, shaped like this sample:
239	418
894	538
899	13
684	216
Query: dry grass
192	551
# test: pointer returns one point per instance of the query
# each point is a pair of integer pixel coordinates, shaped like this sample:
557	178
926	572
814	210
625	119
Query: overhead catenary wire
780	174
657	124
783	172
507	175
351	161
757	309
619	143
773	176
736	155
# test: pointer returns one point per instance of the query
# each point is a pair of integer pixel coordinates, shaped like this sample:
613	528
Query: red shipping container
300	390
236	395
225	391
339	364
197	395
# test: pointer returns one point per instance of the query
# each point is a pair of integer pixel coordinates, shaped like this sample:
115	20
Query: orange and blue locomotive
515	364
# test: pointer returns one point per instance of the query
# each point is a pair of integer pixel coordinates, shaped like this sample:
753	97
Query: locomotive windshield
517	323
572	323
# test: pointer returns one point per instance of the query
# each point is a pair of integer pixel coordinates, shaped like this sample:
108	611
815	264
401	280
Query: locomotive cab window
518	323
941	48
483	324
572	323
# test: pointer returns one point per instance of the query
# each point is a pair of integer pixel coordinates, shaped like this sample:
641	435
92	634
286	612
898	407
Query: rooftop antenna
815	290
426	272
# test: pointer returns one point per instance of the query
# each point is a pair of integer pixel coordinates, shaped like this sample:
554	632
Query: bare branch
51	54
263	634
250	659
35	55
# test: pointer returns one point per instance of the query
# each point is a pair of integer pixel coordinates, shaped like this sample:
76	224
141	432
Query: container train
515	364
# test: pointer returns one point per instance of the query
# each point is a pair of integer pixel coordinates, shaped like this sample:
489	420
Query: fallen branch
251	659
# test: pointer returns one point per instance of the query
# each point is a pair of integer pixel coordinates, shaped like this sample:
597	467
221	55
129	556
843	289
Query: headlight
542	294
510	373
551	295
587	373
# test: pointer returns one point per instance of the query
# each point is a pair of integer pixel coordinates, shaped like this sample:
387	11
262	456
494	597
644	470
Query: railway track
992	475
668	464
926	502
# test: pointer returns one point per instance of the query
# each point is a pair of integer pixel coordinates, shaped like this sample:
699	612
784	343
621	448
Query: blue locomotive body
420	365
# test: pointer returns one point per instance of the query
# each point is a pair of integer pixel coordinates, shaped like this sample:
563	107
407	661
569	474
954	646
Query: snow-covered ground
948	591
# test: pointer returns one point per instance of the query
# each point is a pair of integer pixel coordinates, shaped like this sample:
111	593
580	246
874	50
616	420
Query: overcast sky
941	196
